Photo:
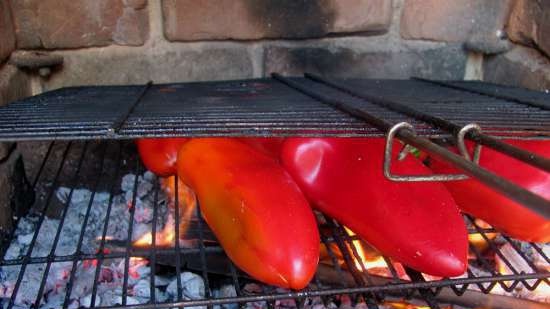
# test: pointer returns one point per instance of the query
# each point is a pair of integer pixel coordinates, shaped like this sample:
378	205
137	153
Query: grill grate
75	164
263	107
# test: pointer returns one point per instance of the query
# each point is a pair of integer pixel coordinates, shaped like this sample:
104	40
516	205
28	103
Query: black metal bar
137	171
6	243
101	254
204	263
83	229
177	238
486	140
339	291
484	93
426	293
507	188
119	122
153	256
51	254
39	224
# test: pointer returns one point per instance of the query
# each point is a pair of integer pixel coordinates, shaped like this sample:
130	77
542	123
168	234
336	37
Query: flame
402	305
186	202
369	263
477	240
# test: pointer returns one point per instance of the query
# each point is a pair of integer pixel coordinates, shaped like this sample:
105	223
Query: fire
402	305
368	262
186	207
477	240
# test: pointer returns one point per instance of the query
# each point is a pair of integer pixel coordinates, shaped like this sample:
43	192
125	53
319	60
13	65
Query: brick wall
133	41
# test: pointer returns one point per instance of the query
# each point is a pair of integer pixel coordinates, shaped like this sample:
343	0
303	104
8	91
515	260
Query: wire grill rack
267	107
76	165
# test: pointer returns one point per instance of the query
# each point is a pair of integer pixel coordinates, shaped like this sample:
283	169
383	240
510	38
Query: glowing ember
135	264
186	206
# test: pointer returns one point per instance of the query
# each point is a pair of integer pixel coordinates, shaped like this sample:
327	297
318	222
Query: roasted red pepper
159	154
255	209
417	224
502	213
269	145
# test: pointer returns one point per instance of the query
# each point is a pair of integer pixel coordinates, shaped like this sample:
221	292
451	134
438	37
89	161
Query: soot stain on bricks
292	18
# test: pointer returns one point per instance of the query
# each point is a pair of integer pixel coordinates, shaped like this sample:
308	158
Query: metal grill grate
265	107
76	165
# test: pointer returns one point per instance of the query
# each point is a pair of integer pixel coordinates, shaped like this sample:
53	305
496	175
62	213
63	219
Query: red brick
79	23
452	21
7	37
520	67
529	24
191	20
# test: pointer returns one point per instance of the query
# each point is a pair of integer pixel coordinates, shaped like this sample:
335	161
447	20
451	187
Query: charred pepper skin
417	224
159	154
255	209
502	213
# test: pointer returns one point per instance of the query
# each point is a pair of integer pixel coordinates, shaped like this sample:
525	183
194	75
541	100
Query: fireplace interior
85	224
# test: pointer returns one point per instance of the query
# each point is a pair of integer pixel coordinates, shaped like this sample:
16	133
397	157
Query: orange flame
477	240
186	206
403	305
369	263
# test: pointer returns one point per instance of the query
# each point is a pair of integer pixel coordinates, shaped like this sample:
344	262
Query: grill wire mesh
74	165
261	107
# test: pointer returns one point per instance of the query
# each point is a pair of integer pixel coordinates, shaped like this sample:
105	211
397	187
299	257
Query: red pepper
255	209
269	145
502	213
417	224
159	154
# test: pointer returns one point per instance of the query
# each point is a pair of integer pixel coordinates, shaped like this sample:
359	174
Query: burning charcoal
127	182
285	303
54	301
127	186
149	176
26	225
227	290
161	281
142	289
144	212
86	301
28	288
364	306
13	252
25	240
83	280
539	260
251	289
139	230
192	287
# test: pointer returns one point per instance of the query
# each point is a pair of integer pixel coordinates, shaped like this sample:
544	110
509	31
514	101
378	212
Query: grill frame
266	107
280	119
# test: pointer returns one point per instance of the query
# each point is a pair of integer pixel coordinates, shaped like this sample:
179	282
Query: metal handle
461	144
410	178
521	195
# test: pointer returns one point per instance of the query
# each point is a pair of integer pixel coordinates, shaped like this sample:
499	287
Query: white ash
520	265
111	274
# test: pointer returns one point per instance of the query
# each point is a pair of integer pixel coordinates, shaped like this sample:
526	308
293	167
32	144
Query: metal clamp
410	178
461	144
